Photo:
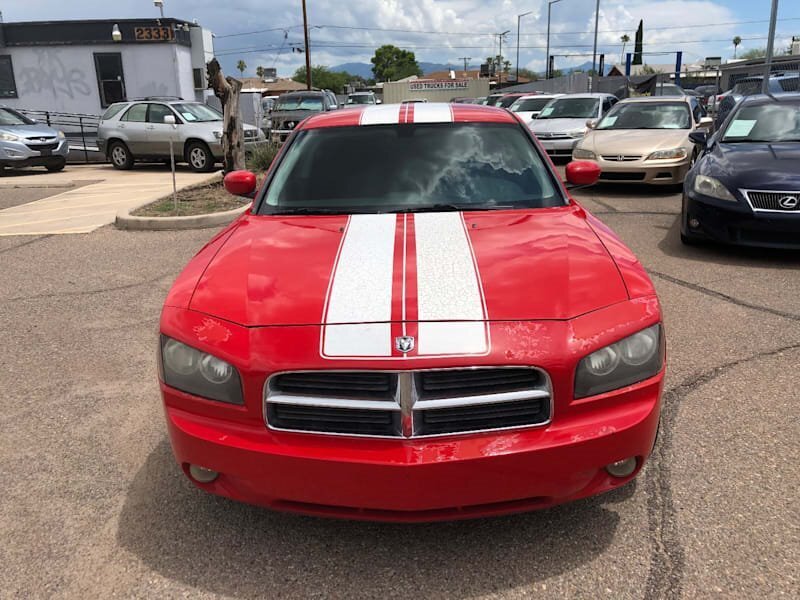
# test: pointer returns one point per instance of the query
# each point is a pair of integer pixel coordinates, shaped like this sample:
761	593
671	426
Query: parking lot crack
26	243
65	294
665	576
713	293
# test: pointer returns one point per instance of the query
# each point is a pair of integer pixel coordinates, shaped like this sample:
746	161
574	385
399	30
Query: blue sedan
745	187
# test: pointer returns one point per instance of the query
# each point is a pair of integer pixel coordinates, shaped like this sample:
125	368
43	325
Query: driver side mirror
170	120
241	183
378	101
581	173
705	122
591	123
699	137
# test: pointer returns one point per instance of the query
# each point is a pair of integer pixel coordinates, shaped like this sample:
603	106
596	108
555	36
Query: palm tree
736	41
260	72
624	39
241	66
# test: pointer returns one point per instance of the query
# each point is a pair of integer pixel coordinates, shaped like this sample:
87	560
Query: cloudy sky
264	32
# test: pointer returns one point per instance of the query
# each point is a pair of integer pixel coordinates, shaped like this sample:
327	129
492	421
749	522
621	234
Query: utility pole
519	18
547	73
500	66
308	56
593	77
466	60
773	18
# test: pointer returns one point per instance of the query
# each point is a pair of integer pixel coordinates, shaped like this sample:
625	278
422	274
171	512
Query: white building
83	66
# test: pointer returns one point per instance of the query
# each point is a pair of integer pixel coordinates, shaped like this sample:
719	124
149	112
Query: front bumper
558	147
418	479
731	223
20	154
652	172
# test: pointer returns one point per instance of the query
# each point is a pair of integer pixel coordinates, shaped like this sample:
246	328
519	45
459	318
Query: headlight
199	373
673	153
708	186
61	135
582	154
218	135
9	137
627	361
576	133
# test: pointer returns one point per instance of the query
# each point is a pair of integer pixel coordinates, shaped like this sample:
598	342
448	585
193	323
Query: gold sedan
645	140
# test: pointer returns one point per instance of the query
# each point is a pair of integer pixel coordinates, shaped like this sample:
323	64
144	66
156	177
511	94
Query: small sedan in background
26	143
563	122
645	140
529	107
745	187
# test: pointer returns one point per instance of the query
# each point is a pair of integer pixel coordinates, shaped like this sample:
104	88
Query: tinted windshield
470	166
766	123
668	89
571	108
647	115
12	117
506	101
197	112
360	99
530	105
311	103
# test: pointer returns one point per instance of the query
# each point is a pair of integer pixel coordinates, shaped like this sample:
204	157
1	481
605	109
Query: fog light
203	475
694	223
622	468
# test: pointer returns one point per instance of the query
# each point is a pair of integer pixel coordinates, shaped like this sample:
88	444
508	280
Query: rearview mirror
240	183
582	173
591	123
699	137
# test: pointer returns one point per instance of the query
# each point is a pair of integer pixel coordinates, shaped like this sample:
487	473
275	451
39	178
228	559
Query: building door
110	78
159	133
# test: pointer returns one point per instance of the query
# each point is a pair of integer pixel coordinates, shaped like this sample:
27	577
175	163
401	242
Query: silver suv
26	143
131	131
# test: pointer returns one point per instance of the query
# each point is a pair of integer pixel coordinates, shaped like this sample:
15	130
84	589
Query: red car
414	322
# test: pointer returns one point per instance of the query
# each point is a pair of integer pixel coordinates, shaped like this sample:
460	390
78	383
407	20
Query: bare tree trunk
227	89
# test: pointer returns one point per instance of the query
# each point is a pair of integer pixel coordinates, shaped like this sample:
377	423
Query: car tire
55	167
687	240
120	157
199	157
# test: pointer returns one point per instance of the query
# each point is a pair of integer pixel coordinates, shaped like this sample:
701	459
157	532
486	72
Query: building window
8	87
199	79
110	78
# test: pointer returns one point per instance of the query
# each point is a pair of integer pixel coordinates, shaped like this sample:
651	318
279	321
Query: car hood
291	115
35	130
557	125
634	141
754	166
476	266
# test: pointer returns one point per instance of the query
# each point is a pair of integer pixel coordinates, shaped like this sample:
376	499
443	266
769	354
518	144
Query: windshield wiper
316	211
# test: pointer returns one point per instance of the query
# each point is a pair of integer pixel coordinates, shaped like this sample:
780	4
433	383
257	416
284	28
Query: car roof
656	99
758	99
305	93
586	95
539	96
395	114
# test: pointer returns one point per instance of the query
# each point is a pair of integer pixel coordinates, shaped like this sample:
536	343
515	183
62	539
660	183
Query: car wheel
687	240
59	166
199	157
120	156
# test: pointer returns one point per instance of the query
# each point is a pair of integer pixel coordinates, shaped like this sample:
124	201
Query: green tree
241	66
736	41
648	70
625	39
260	72
391	63
638	44
528	74
323	78
754	53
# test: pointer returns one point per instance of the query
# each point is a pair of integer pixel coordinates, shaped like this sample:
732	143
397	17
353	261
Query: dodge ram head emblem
404	343
789	202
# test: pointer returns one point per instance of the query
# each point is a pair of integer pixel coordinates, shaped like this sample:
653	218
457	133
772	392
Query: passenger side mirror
705	122
699	137
378	101
591	123
241	183
170	120
582	173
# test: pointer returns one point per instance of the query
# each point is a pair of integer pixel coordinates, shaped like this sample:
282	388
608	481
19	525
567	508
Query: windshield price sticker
740	128
421	86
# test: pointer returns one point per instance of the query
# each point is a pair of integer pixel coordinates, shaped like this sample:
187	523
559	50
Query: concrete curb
128	222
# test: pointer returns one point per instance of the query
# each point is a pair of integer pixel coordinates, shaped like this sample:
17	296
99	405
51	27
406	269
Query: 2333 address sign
150	34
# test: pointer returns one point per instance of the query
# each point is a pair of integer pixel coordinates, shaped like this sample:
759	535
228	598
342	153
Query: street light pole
773	18
547	73
519	18
594	51
500	65
308	56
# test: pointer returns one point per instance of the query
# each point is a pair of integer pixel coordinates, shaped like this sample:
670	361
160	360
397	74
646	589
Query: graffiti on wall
50	75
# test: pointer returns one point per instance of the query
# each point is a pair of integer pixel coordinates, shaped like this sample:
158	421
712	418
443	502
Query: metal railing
80	129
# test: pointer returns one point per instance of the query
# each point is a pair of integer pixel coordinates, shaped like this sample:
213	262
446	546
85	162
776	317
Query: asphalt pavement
93	504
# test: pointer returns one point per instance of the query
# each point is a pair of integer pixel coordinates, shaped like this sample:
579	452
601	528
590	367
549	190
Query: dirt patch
197	200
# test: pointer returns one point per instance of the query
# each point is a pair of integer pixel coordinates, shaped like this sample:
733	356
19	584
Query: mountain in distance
365	69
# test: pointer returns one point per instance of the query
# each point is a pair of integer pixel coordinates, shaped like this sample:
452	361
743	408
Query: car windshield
765	123
360	99
12	117
506	101
390	168
571	108
748	87
310	103
529	105
647	115
668	89
195	112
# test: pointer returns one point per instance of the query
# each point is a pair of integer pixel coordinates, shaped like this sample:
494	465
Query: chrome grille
407	404
773	201
621	158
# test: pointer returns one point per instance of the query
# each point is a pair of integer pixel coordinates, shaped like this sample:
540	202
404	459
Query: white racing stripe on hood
450	301
385	114
360	296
